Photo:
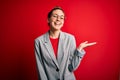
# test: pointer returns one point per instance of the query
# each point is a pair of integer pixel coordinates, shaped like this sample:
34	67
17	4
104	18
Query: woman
56	53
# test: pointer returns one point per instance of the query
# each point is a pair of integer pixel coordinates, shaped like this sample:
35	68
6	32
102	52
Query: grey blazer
68	57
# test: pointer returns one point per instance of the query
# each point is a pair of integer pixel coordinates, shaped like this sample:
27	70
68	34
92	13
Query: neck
54	34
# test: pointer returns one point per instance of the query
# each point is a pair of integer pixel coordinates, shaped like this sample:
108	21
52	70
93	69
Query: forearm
76	59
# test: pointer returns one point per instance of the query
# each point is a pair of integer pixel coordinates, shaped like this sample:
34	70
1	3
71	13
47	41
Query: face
56	20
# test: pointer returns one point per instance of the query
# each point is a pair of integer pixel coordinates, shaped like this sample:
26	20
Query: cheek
62	22
51	23
51	20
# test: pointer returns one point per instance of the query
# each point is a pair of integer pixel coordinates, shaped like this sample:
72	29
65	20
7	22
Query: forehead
58	12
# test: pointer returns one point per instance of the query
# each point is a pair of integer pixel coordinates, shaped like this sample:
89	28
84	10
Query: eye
55	16
61	17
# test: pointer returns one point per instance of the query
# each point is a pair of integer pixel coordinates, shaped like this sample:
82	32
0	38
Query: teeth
57	23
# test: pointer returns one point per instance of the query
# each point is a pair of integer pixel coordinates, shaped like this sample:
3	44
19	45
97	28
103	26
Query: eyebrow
57	14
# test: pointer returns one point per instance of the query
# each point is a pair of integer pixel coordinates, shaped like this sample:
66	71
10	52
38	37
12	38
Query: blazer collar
46	37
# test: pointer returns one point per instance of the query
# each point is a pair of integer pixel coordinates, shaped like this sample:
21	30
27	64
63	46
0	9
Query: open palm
85	44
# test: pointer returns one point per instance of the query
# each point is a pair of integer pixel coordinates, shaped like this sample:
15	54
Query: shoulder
69	38
68	35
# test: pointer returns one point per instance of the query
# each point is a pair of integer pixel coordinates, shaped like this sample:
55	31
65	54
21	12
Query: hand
85	44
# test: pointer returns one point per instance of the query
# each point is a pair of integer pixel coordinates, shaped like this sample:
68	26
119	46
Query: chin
58	27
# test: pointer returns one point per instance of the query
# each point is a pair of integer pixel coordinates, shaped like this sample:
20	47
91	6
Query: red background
24	20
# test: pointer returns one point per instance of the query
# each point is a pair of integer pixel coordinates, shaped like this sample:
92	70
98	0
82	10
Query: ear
48	21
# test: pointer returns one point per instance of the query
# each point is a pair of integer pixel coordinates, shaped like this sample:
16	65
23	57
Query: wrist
79	48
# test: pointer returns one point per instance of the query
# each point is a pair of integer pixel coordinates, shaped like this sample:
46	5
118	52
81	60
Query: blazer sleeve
39	62
75	56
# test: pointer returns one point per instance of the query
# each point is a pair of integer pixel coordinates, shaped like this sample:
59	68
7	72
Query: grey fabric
68	57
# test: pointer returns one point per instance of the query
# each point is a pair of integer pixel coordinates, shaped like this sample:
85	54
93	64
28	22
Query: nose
58	18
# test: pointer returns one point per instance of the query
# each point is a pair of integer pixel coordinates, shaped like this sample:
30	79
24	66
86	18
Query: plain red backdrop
24	20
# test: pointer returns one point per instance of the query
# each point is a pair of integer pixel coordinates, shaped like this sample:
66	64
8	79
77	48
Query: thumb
86	42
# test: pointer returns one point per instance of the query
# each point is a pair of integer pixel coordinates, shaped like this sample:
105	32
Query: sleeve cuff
80	53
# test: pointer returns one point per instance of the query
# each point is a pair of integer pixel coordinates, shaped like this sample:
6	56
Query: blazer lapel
61	46
62	50
49	48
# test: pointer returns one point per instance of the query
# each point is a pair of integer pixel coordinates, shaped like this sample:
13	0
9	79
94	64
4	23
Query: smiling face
56	20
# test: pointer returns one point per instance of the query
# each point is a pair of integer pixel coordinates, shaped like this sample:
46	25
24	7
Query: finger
86	42
90	44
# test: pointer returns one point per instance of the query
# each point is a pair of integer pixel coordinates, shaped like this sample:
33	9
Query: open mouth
57	23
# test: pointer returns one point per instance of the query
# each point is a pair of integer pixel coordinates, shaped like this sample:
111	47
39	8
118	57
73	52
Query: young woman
56	53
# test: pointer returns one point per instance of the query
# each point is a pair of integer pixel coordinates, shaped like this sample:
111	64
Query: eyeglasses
58	17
